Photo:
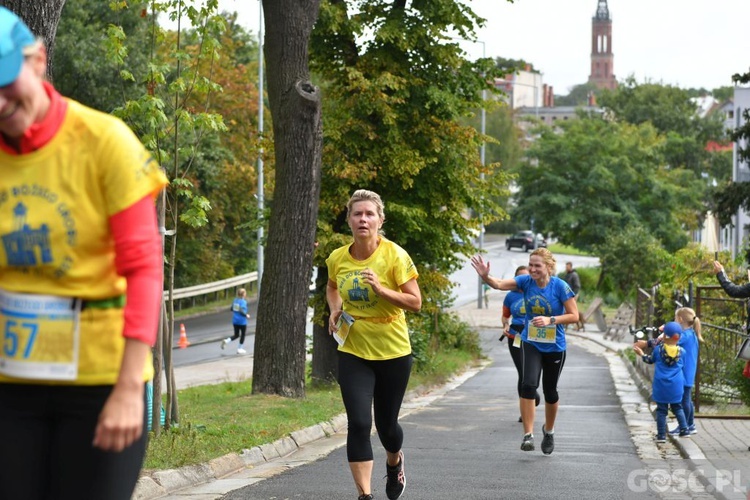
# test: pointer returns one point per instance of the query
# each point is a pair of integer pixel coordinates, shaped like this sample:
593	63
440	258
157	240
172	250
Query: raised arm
736	291
482	268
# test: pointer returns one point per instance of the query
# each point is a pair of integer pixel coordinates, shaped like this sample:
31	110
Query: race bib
545	334
40	336
517	340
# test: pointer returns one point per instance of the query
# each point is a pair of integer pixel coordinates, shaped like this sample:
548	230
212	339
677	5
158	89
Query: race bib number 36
40	336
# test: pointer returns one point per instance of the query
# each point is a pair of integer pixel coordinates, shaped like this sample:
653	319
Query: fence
188	295
723	322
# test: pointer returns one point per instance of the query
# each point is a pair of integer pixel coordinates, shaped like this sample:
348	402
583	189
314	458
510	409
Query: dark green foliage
393	112
578	95
592	175
83	71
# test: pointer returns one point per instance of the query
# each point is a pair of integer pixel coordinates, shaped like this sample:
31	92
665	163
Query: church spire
602	11
602	57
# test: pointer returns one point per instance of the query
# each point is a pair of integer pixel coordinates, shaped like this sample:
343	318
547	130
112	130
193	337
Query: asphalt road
466	445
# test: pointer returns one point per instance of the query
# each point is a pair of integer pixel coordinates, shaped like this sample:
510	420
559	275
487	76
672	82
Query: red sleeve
138	257
506	312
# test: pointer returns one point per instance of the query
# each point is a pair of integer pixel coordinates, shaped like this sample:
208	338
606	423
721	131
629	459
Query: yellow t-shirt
55	205
380	330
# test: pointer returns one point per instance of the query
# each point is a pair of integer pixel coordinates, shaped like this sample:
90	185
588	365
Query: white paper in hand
343	325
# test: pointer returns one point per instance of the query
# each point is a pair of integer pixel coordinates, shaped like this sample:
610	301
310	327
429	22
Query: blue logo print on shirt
357	293
24	243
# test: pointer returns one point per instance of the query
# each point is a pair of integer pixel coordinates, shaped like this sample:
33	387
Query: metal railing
180	295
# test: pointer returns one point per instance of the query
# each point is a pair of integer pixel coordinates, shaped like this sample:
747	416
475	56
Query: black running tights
46	452
367	386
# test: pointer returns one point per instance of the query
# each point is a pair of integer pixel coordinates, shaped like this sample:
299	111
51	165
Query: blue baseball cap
14	37
672	328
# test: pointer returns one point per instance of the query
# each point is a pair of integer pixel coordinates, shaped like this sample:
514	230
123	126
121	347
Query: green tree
82	70
671	111
394	101
578	95
590	175
631	257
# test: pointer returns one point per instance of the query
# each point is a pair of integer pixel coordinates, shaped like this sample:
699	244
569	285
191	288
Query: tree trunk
42	18
325	357
280	343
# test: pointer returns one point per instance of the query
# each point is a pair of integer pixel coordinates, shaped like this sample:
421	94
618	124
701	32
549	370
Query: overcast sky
688	43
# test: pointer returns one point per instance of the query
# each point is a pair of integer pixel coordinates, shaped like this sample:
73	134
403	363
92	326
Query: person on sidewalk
550	304
691	327
514	321
668	383
573	280
239	321
371	282
77	192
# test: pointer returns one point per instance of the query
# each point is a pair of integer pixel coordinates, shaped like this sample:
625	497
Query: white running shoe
241	351
224	343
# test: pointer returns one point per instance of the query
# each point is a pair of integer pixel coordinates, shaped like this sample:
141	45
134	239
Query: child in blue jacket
669	381
689	340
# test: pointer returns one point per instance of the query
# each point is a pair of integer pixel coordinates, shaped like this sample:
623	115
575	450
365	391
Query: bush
738	381
440	333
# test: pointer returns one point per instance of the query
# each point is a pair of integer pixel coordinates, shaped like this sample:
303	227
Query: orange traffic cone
183	343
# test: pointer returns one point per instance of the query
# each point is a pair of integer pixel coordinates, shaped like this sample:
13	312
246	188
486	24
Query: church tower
602	58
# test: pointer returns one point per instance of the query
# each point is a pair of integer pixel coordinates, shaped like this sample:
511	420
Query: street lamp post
260	150
480	284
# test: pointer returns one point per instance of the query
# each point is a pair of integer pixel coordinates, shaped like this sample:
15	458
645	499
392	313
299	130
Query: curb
158	483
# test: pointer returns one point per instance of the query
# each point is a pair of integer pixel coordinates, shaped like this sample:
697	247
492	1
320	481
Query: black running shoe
548	442
396	482
366	497
528	442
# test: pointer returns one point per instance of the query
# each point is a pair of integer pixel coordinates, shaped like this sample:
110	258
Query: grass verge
225	418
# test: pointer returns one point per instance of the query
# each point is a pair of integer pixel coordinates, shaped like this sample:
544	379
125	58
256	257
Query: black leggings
239	331
373	384
547	364
515	354
46	451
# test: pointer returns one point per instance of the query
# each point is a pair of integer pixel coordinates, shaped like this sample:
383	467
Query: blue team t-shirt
515	303
669	382
239	312
547	301
689	341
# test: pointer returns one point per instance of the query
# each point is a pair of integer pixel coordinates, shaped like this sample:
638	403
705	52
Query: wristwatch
551	320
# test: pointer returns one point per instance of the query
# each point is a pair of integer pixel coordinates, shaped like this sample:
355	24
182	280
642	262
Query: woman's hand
372	279
121	420
718	268
333	319
541	321
638	350
481	266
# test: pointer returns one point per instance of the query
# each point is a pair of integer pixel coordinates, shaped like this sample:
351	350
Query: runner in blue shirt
514	321
550	304
239	321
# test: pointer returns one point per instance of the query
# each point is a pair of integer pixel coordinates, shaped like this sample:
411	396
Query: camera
643	333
